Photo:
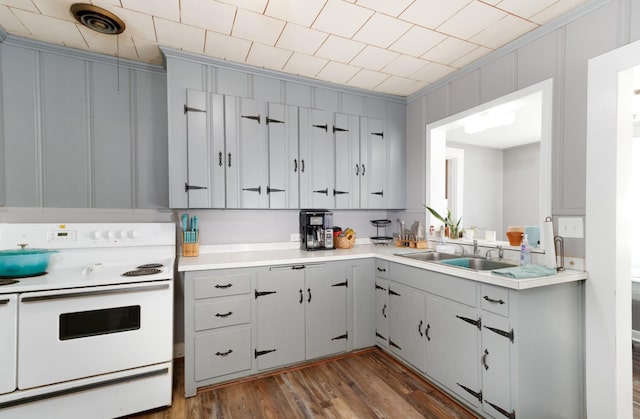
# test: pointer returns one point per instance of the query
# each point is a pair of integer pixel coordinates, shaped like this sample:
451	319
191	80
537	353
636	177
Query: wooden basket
345	242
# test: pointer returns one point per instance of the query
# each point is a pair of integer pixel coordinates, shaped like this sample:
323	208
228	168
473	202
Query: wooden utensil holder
415	244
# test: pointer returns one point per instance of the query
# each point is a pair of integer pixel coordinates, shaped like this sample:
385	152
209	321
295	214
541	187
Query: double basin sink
473	262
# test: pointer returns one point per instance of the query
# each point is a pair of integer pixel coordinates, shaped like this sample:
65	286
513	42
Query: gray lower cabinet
504	353
382	303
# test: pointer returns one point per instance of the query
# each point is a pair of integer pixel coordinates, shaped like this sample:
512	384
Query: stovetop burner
141	272
7	281
21	276
150	266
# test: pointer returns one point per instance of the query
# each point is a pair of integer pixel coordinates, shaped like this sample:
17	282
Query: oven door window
99	322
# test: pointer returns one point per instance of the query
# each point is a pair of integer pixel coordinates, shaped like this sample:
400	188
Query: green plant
453	228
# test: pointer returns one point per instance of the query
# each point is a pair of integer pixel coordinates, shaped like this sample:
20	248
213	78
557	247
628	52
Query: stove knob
96	235
109	234
133	234
122	234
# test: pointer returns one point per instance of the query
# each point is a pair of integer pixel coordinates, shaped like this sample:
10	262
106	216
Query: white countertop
245	256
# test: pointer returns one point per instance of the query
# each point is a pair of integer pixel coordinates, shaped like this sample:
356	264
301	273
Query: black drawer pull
381	269
224	353
224	315
224	286
491	300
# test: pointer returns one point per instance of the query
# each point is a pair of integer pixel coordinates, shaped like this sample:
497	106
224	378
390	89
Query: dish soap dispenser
525	251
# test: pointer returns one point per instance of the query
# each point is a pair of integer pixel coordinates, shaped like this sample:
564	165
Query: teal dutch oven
16	263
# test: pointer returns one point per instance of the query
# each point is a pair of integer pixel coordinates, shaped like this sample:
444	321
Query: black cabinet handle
302	165
229	159
224	286
301	297
484	360
426	332
309	291
224	353
357	169
298	267
491	300
420	328
364	169
220	159
225	314
381	269
295	165
384	311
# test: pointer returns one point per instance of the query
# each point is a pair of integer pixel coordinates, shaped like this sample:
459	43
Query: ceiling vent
97	19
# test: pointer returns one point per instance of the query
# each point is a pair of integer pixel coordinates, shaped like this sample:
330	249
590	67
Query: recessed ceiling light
97	18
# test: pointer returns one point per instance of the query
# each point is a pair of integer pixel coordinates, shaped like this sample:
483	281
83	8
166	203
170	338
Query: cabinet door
244	125
280	311
362	286
317	166
8	342
205	185
406	324
374	156
347	137
452	347
282	124
326	309
495	361
382	312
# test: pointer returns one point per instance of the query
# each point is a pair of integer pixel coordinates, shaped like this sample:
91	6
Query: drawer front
221	312
208	286
494	299
382	269
223	352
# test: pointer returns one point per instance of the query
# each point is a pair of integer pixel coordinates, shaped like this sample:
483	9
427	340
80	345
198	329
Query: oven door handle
91	293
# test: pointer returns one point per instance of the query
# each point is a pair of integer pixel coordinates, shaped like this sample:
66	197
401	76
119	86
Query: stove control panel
62	236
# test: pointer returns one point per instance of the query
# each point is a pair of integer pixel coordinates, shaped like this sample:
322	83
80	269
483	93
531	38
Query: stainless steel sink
428	256
476	264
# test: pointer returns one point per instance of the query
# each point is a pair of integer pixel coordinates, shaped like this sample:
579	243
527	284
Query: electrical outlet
570	227
295	237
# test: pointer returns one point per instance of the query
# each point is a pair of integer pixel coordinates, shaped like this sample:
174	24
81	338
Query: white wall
521	186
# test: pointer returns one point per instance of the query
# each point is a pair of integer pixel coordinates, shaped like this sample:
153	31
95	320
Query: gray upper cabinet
374	154
347	137
317	151
284	162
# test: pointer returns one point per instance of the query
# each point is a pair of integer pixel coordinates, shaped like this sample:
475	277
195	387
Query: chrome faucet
475	247
500	253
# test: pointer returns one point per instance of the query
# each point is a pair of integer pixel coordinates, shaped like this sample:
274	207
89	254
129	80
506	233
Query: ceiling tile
255	27
54	30
475	17
147	51
470	57
417	41
525	9
166	9
391	8
449	50
175	35
337	72
121	46
381	30
257	6
225	47
304	65
22	5
339	49
559	8
341	18
301	39
138	25
367	79
432	72
404	66
300	12
11	23
400	86
374	58
431	13
60	8
503	31
199	12
267	56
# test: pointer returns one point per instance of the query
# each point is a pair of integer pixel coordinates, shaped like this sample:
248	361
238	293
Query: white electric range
93	336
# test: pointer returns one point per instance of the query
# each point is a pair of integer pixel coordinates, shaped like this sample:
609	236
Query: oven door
8	341
74	333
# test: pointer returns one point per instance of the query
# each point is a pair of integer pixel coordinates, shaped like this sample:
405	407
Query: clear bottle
525	251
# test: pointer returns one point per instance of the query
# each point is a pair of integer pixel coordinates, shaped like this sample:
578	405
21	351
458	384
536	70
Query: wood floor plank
367	384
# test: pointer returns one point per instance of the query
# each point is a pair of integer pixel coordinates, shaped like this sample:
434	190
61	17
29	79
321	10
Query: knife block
190	249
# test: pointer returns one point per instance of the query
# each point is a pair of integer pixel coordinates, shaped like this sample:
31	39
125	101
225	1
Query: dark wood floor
368	384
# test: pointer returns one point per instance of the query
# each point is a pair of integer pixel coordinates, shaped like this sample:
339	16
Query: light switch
570	227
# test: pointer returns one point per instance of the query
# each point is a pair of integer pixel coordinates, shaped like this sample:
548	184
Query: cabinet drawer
382	269
222	312
494	299
218	286
223	352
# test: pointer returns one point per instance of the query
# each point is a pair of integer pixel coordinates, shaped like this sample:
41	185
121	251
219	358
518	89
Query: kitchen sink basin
477	264
429	256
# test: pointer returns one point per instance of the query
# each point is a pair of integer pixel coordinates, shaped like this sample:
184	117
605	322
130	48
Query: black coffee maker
316	229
